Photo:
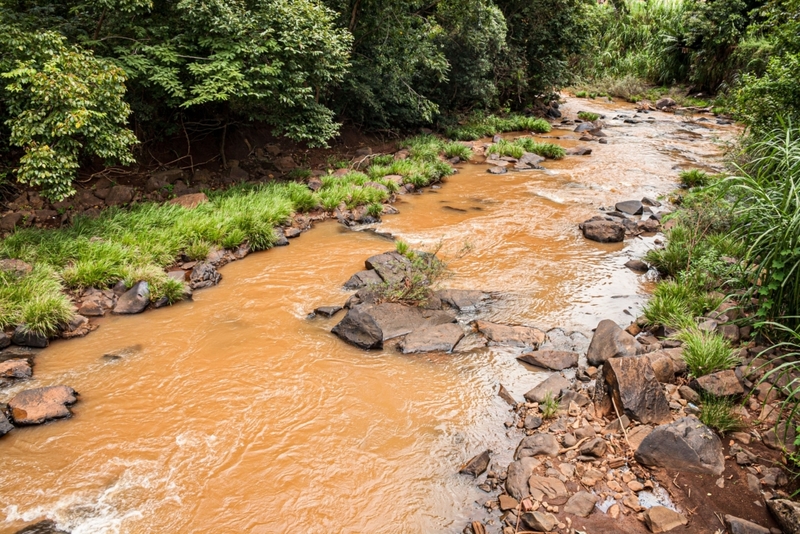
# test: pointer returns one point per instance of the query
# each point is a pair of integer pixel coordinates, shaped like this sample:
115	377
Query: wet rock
5	425
280	238
476	465
17	368
603	231
579	151
5	340
462	299
537	444
530	160
391	267
119	195
637	266
584	127
517	476
363	279
497	170
547	489
539	521
555	360
684	445
135	300
632	385
611	341
203	275
720	384
631	207
516	336
552	386
786	514
35	406
506	396
663	103
327	311
742	526
369	325
662	519
92	308
190	201
25	338
42	527
439	338
581	504
596	447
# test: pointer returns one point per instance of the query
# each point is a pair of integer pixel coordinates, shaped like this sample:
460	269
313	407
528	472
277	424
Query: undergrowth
480	126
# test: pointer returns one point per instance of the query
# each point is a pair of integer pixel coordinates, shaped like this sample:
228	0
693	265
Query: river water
235	413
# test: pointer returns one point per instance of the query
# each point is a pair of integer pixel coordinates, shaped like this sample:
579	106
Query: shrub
706	352
694	178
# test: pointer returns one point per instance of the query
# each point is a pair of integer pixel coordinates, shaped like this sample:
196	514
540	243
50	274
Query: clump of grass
546	150
375	209
588	116
403	248
382	159
422	273
580	94
718	413
706	352
34	300
549	406
694	178
505	148
480	126
668	309
457	150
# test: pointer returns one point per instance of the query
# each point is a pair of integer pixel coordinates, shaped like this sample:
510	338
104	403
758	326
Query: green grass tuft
546	150
718	413
457	150
549	407
588	116
694	178
706	352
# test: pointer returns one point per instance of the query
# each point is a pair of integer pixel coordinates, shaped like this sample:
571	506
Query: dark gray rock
17	368
120	194
363	279
515	336
506	396
786	514
35	406
25	338
438	338
631	207
204	275
327	311
517	476
537	444
497	170
135	300
633	387
611	341
584	127
737	525
476	465
42	527
720	384
665	102
532	422
462	299
603	231
552	386
637	266
5	425
595	447
369	325
280	238
684	445
392	267
556	360
581	504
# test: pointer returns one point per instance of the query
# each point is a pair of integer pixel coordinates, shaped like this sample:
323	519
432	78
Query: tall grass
518	147
706	352
483	126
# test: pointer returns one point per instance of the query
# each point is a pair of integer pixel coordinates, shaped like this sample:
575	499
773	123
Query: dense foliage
80	77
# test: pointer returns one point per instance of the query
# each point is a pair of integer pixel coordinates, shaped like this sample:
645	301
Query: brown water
235	413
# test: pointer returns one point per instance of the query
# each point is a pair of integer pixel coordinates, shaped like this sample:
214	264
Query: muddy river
235	413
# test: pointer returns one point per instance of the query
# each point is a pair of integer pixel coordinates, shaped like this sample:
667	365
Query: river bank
307	393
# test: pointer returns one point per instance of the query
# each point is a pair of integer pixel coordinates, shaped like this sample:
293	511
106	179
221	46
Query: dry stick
619	418
562	451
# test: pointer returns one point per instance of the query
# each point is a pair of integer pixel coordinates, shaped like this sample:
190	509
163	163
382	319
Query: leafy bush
706	352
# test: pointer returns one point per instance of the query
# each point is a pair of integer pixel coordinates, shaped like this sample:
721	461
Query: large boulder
363	279
515	336
551	386
517	476
135	300
603	230
35	406
556	360
462	300
438	338
536	445
611	341
369	325
719	384
25	338
684	445
787	514
633	387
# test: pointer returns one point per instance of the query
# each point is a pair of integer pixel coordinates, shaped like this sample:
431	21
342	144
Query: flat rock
135	300
555	360
720	384
190	201
637	266
16	368
363	279
611	341
631	207
632	385
536	445
662	519
25	338
327	311
684	445
579	151
737	525
5	425
476	465
504	394
517	476
603	231
595	447
42	527
438	338
548	489
462	299
551	386
515	336
369	325
391	267
497	170
581	504
786	514
507	502
35	406
539	521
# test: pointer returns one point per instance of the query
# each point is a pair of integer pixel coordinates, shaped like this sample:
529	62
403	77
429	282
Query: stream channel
235	413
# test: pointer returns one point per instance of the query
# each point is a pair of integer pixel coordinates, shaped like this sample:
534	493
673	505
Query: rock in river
15	368
684	445
35	406
551	386
369	325
516	336
556	360
476	465
25	338
438	338
392	267
603	230
632	385
462	299
42	527
611	341
631	207
5	426
135	300
363	279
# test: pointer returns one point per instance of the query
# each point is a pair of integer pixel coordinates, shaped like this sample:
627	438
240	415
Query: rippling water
236	413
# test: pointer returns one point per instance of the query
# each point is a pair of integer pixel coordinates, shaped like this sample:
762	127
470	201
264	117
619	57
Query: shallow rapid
236	413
